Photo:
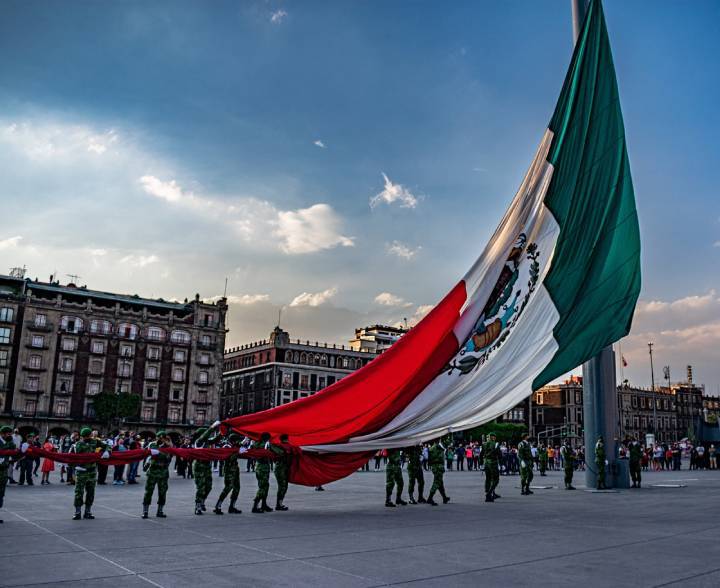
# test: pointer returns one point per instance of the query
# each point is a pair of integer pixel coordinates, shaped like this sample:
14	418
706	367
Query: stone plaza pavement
346	537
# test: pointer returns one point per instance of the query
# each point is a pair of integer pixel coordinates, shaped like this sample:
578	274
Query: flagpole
599	375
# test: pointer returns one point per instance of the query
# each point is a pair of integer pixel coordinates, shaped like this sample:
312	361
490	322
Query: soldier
202	470
26	462
86	474
6	444
436	460
282	472
491	456
600	463
526	465
231	475
262	474
393	478
635	457
568	455
542	459
415	474
157	467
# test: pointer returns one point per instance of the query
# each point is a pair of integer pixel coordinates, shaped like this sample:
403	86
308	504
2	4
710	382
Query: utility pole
599	375
654	396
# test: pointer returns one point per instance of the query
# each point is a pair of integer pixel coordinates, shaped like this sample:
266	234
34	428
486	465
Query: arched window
127	331
303	357
296	357
99	327
155	334
71	324
182	337
323	360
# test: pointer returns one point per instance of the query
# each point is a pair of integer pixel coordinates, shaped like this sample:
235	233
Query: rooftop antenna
279	316
18	272
74	278
225	291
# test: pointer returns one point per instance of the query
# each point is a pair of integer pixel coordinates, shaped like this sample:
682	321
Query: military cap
85	431
492	434
234	437
5	429
161	433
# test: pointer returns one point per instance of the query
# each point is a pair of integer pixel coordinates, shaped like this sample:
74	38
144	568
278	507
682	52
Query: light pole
652	385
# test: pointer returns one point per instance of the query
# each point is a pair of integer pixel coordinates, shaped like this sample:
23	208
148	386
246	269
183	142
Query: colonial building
62	345
376	339
557	412
268	373
640	408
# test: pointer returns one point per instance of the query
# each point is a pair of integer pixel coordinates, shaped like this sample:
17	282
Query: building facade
62	345
376	339
272	372
556	412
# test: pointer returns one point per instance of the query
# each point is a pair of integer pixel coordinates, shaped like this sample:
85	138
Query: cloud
10	242
388	299
316	299
320	144
420	312
401	250
278	16
169	191
56	141
139	260
394	193
308	230
248	299
716	244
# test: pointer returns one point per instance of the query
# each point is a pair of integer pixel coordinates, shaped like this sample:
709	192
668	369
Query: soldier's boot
218	508
146	507
489	497
421	500
430	500
527	489
265	506
198	508
255	507
233	510
411	498
160	514
280	506
88	515
399	501
202	505
495	495
77	516
445	497
570	486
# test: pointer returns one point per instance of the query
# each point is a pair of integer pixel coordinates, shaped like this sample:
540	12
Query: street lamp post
652	385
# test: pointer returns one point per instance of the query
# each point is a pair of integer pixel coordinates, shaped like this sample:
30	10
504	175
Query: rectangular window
124	388
2	380
155	334
68	344
30	407
35	362
304	382
202	377
7	314
61	409
204	359
200	416
148	413
178	375
32	383
67	364
321	382
179	355
286	380
150	393
152	372
40	320
174	415
205	340
154	353
124	370
176	394
93	387
4	358
64	386
90	411
126	351
331	380
96	367
4	335
98	347
202	396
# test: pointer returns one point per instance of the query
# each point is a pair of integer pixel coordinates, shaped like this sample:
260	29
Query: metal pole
654	396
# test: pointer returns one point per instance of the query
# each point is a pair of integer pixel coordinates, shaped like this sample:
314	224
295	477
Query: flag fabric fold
557	282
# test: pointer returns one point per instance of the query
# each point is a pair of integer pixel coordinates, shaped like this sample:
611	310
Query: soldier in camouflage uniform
542	459
393	478
282	472
600	463
202	470
491	459
6	444
231	476
635	457
526	465
568	455
436	460
262	474
415	474
157	467
86	474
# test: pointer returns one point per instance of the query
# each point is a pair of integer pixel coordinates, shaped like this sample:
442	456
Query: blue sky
159	147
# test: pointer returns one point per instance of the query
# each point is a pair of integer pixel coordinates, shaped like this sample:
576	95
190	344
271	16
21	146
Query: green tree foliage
509	432
109	406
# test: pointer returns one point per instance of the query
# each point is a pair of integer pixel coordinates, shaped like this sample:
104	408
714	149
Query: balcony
154	378
124	376
66	370
36	391
31	345
211	345
65	392
126	354
40	328
208	383
182	361
34	368
200	363
97	351
201	402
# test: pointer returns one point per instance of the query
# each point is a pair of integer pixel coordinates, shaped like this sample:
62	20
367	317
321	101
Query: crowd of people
493	457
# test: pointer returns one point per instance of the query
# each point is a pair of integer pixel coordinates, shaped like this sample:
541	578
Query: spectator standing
48	464
460	457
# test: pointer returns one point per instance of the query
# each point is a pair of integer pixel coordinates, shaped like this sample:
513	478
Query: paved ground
345	537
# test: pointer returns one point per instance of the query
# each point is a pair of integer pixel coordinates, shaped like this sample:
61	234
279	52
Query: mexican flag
557	282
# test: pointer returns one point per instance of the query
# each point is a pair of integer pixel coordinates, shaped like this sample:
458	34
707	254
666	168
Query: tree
109	406
509	432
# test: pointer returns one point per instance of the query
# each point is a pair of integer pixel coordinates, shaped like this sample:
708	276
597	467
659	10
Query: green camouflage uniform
436	460
86	474
5	463
491	457
568	455
635	457
600	463
543	460
393	474
262	472
415	472
158	474
526	471
202	470
282	472
231	476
